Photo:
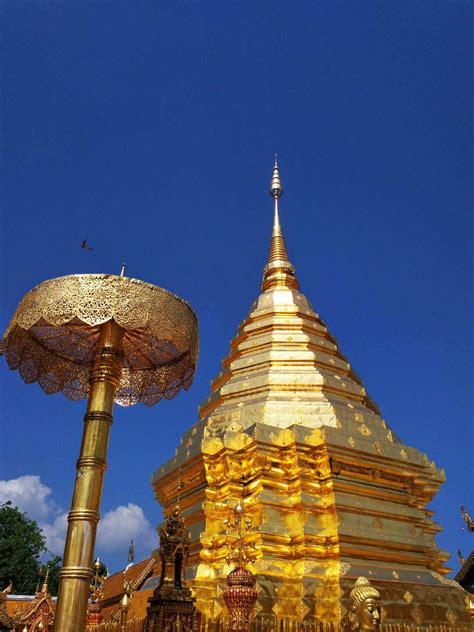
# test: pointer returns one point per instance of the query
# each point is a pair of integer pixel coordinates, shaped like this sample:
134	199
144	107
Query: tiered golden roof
331	491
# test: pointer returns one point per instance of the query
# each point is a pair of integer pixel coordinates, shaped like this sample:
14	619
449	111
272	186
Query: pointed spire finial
8	589
276	190
278	272
131	553
45	583
179	487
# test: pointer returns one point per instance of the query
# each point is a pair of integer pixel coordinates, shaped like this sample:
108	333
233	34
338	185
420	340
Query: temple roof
136	575
39	608
6	622
465	574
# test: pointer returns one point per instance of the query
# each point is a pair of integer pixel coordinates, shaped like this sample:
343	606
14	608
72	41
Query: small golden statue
365	607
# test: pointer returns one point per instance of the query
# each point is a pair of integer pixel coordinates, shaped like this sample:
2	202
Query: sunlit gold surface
53	335
278	272
76	572
331	490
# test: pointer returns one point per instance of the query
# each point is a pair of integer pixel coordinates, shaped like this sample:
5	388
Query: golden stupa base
324	513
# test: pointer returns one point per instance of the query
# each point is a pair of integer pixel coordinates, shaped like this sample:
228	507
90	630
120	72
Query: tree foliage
22	546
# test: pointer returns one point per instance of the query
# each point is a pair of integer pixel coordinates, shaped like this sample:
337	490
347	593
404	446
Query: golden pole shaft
76	572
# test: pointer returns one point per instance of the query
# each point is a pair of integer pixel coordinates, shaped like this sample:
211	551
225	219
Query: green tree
22	546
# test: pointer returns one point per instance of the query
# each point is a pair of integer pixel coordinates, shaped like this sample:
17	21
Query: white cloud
116	528
123	524
55	533
30	495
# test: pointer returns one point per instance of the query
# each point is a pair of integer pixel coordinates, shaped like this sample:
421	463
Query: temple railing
133	625
277	624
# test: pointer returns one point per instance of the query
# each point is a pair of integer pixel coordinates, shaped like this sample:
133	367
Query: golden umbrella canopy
113	339
53	336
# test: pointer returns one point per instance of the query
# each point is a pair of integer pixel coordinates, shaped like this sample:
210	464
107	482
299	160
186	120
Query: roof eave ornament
467	519
278	273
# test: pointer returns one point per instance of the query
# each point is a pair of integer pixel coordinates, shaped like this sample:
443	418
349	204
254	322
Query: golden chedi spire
278	272
331	492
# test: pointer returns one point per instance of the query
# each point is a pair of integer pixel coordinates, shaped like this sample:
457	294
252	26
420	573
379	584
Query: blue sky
150	128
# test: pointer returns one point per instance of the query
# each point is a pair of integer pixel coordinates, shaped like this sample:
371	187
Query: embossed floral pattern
53	336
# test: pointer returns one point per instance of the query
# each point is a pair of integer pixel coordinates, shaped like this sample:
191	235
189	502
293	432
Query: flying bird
85	245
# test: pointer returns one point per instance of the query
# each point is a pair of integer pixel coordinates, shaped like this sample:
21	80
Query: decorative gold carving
243	469
53	336
437	576
469	602
378	447
241	551
451	617
417	614
257	608
364	430
377	524
408	596
6	622
467	518
302	610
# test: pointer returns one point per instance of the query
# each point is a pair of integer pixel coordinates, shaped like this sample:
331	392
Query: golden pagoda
330	491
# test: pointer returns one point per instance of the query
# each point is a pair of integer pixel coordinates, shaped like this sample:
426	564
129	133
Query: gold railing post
124	605
76	572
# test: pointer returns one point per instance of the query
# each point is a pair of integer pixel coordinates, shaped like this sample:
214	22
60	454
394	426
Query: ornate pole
76	573
109	338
